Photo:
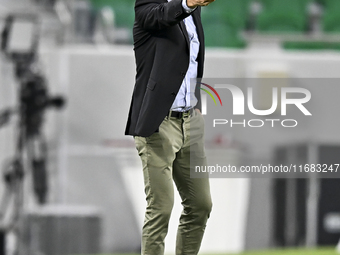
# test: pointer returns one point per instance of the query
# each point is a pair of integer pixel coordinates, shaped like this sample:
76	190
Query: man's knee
205	208
200	209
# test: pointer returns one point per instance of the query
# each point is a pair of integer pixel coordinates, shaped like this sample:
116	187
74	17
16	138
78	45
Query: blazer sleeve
157	14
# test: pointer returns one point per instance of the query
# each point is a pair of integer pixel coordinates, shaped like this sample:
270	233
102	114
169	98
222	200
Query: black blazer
161	46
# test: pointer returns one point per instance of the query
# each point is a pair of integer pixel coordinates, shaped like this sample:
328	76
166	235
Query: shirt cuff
186	8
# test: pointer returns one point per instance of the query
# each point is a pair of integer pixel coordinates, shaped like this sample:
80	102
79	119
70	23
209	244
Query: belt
180	115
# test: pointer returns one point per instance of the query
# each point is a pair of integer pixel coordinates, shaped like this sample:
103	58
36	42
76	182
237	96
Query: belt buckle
186	114
179	115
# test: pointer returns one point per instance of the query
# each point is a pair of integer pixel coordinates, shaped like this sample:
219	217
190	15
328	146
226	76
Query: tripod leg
37	156
2	242
4	204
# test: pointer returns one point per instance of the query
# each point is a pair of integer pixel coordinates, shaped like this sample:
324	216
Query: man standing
165	119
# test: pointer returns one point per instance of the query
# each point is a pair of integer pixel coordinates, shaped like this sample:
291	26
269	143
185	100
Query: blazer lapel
197	20
199	28
198	24
185	33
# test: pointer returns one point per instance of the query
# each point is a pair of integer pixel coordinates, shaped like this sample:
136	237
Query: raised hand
195	3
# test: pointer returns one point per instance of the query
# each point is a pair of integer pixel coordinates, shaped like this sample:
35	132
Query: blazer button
183	74
173	94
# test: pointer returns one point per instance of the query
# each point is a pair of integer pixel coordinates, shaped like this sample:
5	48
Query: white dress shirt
186	98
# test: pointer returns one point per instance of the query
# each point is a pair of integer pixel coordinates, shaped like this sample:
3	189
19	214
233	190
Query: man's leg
195	192
157	153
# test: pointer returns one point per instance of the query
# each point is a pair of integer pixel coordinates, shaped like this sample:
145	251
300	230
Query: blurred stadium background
95	185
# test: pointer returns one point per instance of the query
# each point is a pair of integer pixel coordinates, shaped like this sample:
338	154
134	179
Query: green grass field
328	251
321	251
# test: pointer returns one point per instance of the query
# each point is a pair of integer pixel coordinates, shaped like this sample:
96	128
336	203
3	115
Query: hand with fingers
195	3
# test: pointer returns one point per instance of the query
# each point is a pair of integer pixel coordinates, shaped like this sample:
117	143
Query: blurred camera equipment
19	42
